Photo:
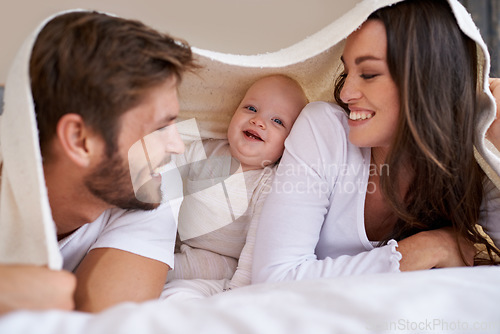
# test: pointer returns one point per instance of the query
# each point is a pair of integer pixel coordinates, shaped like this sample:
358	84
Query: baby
224	191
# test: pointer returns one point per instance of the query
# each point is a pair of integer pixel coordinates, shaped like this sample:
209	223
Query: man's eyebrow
166	121
361	59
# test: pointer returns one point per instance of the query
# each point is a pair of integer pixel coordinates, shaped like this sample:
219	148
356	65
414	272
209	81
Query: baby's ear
78	141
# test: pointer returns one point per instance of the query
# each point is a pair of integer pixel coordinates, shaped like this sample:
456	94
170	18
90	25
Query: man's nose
174	143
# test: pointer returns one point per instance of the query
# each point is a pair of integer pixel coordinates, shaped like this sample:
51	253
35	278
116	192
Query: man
100	84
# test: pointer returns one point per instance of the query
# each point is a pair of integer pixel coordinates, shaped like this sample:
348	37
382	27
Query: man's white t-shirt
146	233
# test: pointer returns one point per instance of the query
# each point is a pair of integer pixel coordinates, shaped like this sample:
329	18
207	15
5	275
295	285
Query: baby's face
263	120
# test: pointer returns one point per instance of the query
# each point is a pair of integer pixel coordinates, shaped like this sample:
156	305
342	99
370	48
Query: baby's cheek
277	154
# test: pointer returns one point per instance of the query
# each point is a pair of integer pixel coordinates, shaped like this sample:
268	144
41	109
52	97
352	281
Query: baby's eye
277	120
251	108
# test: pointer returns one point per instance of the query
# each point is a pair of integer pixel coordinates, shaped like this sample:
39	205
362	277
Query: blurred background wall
232	26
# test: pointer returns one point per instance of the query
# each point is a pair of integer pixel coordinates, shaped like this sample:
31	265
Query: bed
459	300
456	300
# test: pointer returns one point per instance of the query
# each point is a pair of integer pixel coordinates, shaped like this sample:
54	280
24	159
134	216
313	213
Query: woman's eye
277	120
368	76
252	108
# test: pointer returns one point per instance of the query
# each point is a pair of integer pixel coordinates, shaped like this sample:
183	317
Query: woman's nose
350	91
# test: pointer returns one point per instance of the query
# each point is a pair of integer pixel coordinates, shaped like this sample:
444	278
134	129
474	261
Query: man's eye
277	120
252	108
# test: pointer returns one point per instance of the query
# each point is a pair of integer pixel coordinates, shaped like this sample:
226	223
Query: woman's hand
493	133
435	249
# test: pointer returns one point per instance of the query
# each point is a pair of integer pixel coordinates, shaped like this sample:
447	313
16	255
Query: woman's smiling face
369	90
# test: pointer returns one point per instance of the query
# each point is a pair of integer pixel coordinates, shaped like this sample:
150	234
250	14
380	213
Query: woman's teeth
356	116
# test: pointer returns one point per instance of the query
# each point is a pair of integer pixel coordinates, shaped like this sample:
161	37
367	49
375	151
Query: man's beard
111	182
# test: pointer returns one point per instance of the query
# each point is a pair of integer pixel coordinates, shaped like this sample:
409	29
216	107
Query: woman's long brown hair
435	67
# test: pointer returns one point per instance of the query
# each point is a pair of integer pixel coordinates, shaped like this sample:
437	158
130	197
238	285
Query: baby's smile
252	135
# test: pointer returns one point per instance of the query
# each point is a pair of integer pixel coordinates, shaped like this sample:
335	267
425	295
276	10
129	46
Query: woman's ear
77	140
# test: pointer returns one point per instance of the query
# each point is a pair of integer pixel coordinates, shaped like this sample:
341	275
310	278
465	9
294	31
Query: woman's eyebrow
361	59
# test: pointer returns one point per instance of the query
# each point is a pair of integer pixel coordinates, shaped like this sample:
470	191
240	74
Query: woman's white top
312	223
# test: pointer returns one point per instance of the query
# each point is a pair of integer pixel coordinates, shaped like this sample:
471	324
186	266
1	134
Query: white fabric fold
27	230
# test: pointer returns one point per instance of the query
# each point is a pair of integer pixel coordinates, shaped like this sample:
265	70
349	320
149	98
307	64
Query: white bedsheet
457	300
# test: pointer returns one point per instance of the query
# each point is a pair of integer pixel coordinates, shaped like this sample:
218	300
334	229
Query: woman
396	186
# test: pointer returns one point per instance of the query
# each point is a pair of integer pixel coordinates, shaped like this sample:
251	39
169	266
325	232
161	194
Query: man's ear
77	140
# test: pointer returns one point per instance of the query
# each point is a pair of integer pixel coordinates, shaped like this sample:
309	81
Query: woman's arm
293	215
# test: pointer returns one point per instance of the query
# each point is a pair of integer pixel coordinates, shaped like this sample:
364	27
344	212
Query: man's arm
108	276
25	287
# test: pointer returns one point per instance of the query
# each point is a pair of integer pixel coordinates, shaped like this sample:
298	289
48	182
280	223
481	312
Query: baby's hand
493	133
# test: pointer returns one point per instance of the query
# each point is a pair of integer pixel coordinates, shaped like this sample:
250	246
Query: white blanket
458	300
209	95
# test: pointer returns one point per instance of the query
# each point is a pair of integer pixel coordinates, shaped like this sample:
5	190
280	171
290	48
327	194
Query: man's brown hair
98	66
